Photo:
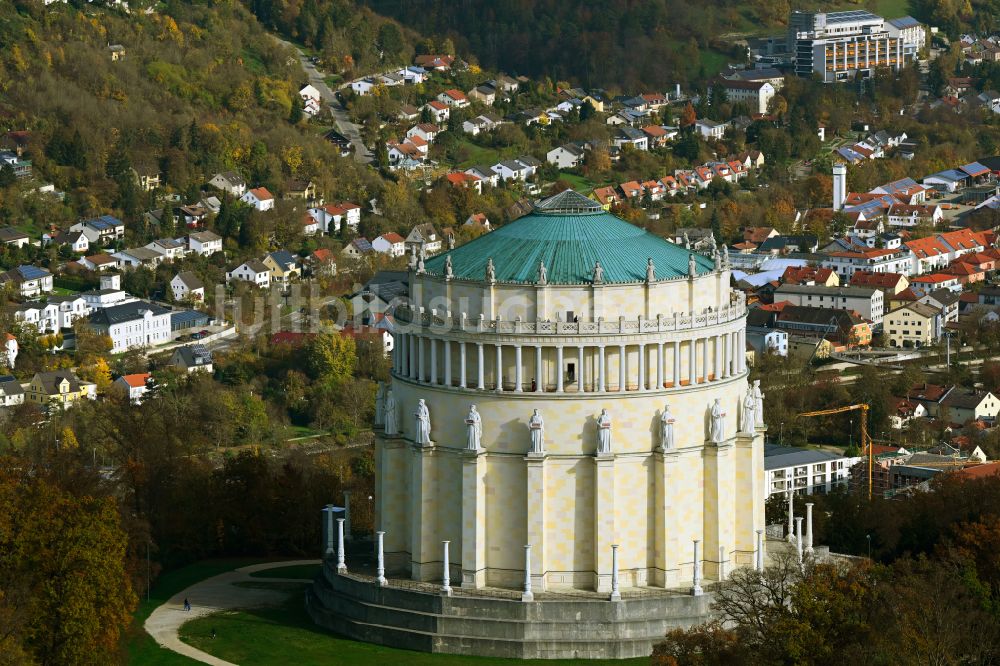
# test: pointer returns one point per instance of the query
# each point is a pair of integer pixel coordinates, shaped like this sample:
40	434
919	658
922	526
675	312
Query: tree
390	39
688	116
7	176
331	358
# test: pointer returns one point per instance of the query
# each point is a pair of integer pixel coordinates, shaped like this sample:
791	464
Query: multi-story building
804	471
913	325
869	303
133	324
837	46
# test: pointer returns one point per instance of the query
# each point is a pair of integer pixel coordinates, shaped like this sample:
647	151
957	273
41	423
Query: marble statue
604	432
413	256
537	427
390	414
448	271
718	423
687	241
749	421
692	266
451	241
543	275
667	421
725	254
380	404
598	273
717	258
420	263
423	416
474	426
758	408
650	270
491	272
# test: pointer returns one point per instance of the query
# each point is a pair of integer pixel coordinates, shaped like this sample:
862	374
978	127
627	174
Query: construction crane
866	440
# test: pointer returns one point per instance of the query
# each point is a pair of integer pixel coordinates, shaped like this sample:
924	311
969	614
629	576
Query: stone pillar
725	355
693	361
341	564
498	372
434	360
424	513
539	384
481	375
622	368
411	362
809	528
580	375
518	376
447	362
704	359
446	572
741	352
462	367
642	367
720	501
718	358
380	567
798	538
759	552
748	487
659	367
616	594
347	513
604	519
600	369
421	369
669	473
560	379
696	573
722	563
791	510
527	595
733	367
676	379
474	519
537	478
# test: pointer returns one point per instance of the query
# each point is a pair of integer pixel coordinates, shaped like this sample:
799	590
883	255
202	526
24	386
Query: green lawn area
580	184
63	291
479	155
140	647
286	635
305	571
301	432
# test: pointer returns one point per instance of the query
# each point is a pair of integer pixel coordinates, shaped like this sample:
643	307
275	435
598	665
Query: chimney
839	185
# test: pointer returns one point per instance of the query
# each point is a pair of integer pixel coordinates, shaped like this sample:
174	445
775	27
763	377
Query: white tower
839	185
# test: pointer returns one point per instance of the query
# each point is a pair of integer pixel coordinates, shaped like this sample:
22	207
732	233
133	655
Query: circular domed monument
569	419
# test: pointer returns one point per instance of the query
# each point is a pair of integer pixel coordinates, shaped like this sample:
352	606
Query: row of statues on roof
386	415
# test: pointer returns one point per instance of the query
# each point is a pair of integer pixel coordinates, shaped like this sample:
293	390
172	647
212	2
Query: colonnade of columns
575	367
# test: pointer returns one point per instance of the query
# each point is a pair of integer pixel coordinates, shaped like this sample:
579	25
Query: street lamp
869	537
851	434
781	433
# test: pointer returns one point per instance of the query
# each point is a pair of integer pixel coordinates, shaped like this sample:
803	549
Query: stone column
539	385
693	361
600	369
809	528
537	478
718	358
741	352
559	370
696	573
759	553
748	486
421	369
622	368
669	473
474	519
704	359
616	594
327	512
642	367
481	375
341	564
518	376
411	363
424	514
580	375
725	354
380	567
659	366
462	367
676	379
791	510
798	538
434	360
720	500
733	367
604	519
445	572
527	595
498	373
447	362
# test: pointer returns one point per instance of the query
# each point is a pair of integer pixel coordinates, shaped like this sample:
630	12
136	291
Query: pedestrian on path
187	604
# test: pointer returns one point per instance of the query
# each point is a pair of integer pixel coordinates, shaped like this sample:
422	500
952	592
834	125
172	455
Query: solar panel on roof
32	272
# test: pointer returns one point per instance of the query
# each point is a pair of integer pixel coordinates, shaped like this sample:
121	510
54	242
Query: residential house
28	281
846	263
426	131
482	123
357	248
486	94
133	324
229	181
962	405
11	391
768	340
391	244
104	229
76	240
624	135
409	112
710	129
10	350
751	160
283	265
376	298
192	358
58	387
810	275
322	262
484	174
756	95
945	301
14	237
133	386
253	271
204	243
362	87
423	237
912	325
889	283
117	52
479	221
789	469
440	112
453	98
98	262
905	215
657	136
518	169
138	256
460	179
438	63
869	303
259	198
170	248
300	189
43	316
843	326
186	285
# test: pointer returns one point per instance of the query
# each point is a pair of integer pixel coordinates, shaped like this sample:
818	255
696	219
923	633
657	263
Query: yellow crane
866	440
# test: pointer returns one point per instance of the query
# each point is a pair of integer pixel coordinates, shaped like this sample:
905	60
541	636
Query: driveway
343	123
213	595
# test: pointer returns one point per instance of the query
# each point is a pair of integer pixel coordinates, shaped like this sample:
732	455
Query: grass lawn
580	184
479	155
286	635
305	571
140	646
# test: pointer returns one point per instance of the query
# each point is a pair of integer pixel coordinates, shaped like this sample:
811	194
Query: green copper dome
570	234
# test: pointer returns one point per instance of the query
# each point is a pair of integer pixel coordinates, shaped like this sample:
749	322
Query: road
341	120
219	593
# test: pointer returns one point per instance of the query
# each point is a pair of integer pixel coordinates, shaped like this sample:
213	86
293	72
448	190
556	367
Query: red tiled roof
137	380
393	237
261	193
979	471
436	105
878	280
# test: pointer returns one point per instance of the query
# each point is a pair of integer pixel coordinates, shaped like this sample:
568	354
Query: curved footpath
211	595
